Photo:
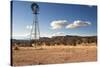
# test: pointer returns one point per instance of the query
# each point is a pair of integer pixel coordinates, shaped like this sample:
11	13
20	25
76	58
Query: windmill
35	32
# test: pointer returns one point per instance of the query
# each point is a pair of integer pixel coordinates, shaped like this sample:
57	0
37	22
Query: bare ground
53	55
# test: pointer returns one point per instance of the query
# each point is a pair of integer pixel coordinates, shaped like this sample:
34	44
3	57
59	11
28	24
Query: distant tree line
57	40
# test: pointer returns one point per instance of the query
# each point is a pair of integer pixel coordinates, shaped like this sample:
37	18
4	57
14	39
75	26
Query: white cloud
59	34
58	24
23	36
77	24
52	34
19	36
45	35
29	26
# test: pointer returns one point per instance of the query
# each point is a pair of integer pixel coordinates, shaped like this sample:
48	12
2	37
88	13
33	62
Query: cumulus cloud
77	24
58	24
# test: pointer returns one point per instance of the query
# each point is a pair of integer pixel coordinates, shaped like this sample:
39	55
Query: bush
16	48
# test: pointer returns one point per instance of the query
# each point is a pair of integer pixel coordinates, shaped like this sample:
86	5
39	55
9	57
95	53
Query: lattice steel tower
35	32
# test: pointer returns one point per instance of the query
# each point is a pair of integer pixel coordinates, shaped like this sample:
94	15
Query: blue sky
54	19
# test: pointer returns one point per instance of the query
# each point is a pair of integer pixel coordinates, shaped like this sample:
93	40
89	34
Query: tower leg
35	32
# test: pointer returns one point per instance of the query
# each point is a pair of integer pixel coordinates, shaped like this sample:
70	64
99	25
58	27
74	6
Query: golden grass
53	55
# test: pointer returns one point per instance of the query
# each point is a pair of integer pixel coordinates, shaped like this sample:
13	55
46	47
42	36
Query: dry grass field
53	55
